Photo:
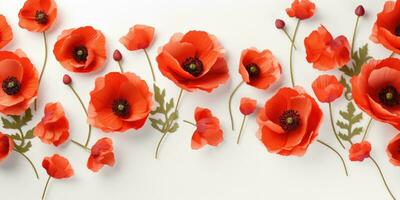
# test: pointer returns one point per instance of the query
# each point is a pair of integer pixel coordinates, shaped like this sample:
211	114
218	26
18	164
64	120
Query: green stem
354	35
21	134
44	64
191	123
241	129
392	54
333	126
179	99
159	144
120	67
81	145
45	188
230	104
341	158
30	162
366	130
383	178
291	53
290	38
151	65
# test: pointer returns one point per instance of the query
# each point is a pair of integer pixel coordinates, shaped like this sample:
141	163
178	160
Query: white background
245	171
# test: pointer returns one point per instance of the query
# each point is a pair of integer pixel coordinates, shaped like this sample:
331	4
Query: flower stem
188	122
354	35
291	53
290	38
44	64
159	144
151	65
30	162
230	104
120	67
81	145
179	99
383	177
333	126
366	130
341	158
241	129
45	188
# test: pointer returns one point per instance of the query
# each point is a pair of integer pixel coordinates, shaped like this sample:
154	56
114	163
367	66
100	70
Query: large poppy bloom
38	15
259	69
138	37
6	146
376	90
119	101
324	51
393	151
193	61
81	50
360	151
102	153
208	129
386	30
57	167
6	34
19	81
301	9
289	122
327	88
54	127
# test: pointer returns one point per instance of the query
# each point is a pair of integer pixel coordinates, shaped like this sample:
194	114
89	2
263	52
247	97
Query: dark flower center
80	53
289	120
193	66
11	85
397	30
389	96
41	17
253	70
121	108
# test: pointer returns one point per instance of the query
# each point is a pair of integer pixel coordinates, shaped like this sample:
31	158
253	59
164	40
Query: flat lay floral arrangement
288	121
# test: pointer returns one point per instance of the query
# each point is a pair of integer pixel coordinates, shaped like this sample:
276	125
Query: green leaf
359	58
29	134
27	117
24	149
7	124
347	87
15	137
348	125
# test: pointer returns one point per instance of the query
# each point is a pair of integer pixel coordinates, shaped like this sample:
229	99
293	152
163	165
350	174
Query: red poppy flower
325	52
54	127
208	129
386	30
360	151
301	9
81	50
247	105
193	61
37	15
393	151
289	122
138	37
119	101
57	167
376	90
102	153
259	69
6	146
6	34
19	80
327	88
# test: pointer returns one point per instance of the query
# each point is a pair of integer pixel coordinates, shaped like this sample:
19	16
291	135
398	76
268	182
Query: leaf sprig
359	58
349	125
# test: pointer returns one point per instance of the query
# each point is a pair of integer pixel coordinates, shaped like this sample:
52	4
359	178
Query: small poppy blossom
194	60
376	90
247	105
386	30
327	88
19	81
208	129
301	9
289	122
325	52
102	153
360	151
57	167
119	101
81	50
138	37
38	15
54	126
259	69
393	150
6	34
6	146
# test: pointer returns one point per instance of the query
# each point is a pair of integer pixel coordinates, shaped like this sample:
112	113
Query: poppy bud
117	55
360	11
279	24
67	79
